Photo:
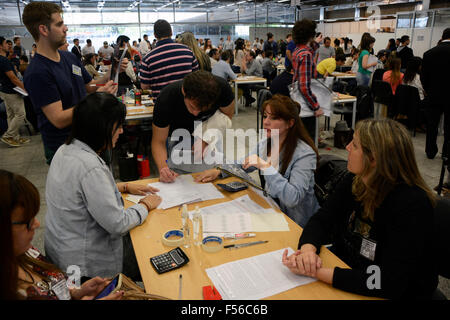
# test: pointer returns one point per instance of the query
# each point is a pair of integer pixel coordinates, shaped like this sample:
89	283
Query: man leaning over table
195	98
56	80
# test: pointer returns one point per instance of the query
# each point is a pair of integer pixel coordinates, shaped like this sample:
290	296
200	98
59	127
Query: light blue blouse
85	218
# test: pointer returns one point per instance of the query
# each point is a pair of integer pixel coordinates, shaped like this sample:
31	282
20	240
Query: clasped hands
304	262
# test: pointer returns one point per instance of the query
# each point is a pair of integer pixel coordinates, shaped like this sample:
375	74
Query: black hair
340	57
87	58
412	68
337	42
346	41
268	53
404	38
446	34
2	39
366	41
24	58
269	35
212	52
326	39
202	87
94	119
303	31
88	41
122	39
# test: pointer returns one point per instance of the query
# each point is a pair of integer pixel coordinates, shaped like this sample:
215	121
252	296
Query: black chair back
442	233
382	93
378	74
407	102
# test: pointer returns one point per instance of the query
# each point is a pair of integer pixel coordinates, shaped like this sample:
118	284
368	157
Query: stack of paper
256	277
183	190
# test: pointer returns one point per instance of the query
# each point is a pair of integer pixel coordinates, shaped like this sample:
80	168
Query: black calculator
233	186
170	260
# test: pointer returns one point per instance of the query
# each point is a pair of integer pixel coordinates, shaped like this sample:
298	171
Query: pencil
181	282
101	84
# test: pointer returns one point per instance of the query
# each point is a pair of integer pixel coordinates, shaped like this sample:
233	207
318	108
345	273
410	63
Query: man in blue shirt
289	51
55	80
15	108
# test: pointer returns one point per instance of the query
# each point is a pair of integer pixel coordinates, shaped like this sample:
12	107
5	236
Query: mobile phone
113	286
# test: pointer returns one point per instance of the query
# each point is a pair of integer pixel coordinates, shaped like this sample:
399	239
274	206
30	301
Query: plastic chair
407	102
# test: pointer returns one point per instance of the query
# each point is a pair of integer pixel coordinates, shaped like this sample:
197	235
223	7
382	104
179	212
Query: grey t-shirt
325	53
107	53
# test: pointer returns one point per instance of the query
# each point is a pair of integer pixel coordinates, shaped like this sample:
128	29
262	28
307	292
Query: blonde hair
388	143
188	39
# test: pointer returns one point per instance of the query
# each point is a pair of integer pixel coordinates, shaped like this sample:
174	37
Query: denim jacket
295	188
85	218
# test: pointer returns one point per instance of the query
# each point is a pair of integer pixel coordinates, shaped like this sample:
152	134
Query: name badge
76	70
61	290
368	249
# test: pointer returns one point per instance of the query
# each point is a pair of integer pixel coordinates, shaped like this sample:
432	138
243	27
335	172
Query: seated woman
292	184
86	222
25	272
380	216
393	76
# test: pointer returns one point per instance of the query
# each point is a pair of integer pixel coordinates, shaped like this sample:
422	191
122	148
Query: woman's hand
255	161
140	190
90	289
304	262
318	112
207	175
151	201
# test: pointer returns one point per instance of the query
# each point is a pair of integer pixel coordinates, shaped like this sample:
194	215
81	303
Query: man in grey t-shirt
325	51
106	53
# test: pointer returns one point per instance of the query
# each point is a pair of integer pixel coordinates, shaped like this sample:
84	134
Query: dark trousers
130	266
310	125
434	112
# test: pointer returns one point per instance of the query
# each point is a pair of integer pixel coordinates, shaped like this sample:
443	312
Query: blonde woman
379	220
188	39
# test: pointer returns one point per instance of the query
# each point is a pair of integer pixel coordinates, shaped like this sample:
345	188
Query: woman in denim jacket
286	168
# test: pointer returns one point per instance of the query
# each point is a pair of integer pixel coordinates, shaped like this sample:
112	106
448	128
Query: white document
183	190
232	222
372	59
268	221
21	91
256	277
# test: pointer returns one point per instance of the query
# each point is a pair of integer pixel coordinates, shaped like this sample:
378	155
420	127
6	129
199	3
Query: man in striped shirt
167	63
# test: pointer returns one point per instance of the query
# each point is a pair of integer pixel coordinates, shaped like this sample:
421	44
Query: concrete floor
29	161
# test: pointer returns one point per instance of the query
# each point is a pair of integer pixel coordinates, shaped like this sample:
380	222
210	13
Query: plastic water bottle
197	222
185	222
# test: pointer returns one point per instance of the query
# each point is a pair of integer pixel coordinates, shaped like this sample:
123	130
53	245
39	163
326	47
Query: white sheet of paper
268	221
256	277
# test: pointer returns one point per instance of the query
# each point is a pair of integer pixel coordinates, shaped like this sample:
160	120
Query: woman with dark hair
363	74
347	47
391	47
287	170
412	75
303	34
25	272
239	55
379	205
86	221
89	64
208	46
127	78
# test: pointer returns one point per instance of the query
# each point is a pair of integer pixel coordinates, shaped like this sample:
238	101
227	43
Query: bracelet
146	205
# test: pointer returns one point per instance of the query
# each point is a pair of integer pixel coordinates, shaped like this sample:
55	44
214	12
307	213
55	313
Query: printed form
254	278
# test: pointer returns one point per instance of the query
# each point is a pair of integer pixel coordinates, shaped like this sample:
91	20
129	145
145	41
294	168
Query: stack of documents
238	216
254	278
183	190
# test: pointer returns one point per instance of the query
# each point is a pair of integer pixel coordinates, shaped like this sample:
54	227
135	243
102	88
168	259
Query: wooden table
245	80
139	112
344	75
147	243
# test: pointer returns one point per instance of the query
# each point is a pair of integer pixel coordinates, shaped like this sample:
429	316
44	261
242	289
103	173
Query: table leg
236	102
354	115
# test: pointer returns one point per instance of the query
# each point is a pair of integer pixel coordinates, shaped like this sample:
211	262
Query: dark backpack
330	171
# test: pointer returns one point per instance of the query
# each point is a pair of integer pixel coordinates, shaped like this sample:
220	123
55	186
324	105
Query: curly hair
303	31
202	87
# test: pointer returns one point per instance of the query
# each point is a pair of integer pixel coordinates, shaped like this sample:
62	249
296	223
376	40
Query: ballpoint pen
181	282
242	245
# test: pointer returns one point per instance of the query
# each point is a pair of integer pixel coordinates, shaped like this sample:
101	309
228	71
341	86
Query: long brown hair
285	108
394	65
389	144
16	191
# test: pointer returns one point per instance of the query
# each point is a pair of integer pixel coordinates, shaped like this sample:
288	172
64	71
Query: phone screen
108	289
